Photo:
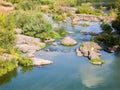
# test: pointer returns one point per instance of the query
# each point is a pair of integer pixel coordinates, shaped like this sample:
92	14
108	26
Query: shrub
61	31
14	1
59	17
25	61
108	39
7	33
106	27
7	66
46	2
26	5
116	23
87	8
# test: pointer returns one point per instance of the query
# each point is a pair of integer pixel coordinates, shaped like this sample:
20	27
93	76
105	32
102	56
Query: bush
26	5
87	8
14	1
47	2
106	27
61	31
59	17
7	33
7	66
108	39
24	61
116	24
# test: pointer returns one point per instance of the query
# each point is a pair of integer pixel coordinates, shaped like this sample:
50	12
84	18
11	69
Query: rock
112	49
47	50
67	41
18	31
28	48
54	43
28	45
78	52
85	51
6	56
89	49
96	63
49	40
7	4
93	54
40	62
83	31
93	33
69	32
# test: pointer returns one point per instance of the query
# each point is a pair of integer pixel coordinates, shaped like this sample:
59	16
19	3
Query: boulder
70	32
40	62
49	40
28	45
54	44
78	52
67	41
83	31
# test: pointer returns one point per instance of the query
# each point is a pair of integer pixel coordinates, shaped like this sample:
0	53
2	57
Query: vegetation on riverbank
29	16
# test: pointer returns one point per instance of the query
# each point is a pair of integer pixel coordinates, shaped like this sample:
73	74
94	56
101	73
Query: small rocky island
90	50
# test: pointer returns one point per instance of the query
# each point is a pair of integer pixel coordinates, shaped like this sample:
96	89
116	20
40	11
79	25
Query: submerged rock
49	40
112	49
40	62
67	41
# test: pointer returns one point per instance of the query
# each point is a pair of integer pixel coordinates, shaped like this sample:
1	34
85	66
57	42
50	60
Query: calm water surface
69	72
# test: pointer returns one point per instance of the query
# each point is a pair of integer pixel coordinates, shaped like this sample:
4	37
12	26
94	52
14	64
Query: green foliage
46	2
84	24
67	2
14	1
27	5
61	31
7	66
108	39
87	8
118	5
81	45
59	16
25	61
106	27
97	60
7	33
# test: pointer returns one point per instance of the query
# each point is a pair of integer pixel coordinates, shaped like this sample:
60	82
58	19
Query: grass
92	61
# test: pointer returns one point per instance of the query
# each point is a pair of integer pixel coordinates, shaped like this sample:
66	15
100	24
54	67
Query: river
69	71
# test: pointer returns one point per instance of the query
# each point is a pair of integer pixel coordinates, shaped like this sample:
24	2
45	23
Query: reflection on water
90	77
8	77
26	69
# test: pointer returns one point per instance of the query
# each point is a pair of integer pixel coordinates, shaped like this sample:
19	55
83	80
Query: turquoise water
69	72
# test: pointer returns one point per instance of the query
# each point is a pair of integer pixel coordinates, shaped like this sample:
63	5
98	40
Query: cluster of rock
94	18
67	41
90	50
29	45
84	32
112	49
6	7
